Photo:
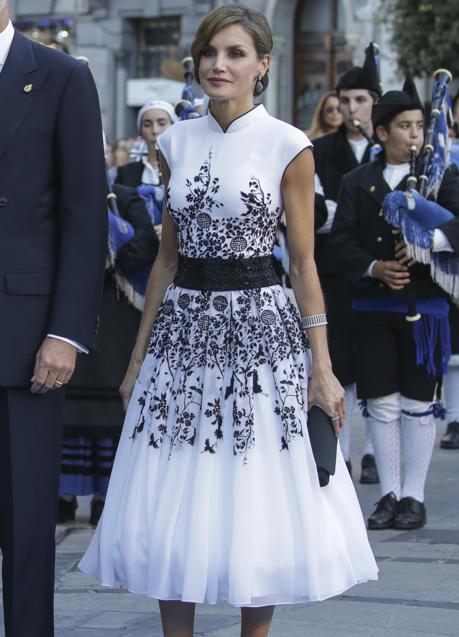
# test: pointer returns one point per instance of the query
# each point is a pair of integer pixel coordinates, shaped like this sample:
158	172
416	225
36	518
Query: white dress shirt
359	147
6	38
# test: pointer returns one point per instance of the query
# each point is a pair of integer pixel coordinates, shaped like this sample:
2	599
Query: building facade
135	48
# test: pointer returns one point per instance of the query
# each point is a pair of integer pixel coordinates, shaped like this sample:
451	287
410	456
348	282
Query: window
159	40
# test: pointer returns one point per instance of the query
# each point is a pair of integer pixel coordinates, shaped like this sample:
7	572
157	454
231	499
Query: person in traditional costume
93	410
400	362
335	155
144	172
215	493
153	118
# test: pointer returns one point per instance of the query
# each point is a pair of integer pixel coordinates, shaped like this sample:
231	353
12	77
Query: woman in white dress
214	494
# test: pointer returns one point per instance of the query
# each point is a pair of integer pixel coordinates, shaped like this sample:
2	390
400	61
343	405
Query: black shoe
384	515
451	438
97	506
349	467
411	514
369	473
66	510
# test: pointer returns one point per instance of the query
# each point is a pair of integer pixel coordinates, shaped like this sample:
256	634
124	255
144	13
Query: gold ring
58	383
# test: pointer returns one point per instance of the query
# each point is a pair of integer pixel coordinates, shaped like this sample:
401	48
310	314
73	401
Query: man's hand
401	256
392	273
54	365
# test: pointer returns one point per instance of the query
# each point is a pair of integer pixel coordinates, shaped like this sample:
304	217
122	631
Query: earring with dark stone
259	88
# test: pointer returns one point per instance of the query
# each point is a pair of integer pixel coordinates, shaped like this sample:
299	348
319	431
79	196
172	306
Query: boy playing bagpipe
391	246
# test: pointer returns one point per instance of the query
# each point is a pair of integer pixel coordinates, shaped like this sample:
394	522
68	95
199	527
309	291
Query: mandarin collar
241	122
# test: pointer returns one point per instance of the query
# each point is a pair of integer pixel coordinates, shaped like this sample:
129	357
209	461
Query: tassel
425	334
444	267
436	408
135	298
439	410
362	404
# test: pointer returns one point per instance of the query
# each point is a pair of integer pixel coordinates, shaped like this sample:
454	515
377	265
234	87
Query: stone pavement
417	594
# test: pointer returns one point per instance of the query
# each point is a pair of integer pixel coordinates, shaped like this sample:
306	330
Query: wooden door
320	56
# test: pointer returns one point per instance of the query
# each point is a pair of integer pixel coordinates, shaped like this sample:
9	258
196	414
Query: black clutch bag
323	442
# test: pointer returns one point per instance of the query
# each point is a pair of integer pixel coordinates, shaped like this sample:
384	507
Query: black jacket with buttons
333	158
361	235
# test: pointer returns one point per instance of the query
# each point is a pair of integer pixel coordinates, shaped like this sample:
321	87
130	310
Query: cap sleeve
295	142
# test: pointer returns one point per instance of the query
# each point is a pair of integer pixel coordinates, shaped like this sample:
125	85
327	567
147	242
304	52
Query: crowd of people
188	425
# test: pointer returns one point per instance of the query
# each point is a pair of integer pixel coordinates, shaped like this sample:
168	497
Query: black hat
394	102
366	76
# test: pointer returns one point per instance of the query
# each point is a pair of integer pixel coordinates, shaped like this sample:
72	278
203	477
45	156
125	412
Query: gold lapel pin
372	188
27	88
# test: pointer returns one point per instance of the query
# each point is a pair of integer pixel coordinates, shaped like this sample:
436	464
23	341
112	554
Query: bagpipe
416	216
375	147
187	105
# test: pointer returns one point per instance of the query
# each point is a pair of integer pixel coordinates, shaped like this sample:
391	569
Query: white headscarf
164	106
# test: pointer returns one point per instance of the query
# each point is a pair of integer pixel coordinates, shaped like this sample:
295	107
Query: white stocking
384	424
451	389
350	399
418	439
368	448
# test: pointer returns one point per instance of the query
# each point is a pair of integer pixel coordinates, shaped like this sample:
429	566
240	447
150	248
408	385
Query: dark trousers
340	328
386	358
30	446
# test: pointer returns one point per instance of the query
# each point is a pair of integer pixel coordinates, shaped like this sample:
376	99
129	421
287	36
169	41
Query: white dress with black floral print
214	492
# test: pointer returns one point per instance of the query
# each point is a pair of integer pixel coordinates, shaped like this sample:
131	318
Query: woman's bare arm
161	276
298	195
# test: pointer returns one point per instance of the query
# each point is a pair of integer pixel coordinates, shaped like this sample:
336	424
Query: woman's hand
128	383
326	392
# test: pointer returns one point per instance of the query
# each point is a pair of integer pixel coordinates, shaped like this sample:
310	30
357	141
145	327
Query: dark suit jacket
360	234
53	212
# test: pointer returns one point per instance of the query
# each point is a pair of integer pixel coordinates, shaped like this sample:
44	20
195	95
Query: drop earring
259	85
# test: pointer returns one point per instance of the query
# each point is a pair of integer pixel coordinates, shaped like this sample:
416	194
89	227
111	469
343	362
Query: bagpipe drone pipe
412	212
187	106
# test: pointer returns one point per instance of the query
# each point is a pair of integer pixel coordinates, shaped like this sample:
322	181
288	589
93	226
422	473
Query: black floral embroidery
220	353
203	233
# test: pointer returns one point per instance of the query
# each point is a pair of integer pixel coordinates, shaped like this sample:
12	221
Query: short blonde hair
253	22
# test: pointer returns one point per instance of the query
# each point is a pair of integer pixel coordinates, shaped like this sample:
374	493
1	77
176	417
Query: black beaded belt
223	275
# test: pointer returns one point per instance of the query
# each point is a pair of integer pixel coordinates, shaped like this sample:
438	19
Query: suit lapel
20	81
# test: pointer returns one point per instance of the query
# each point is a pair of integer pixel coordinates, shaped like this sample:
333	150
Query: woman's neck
227	111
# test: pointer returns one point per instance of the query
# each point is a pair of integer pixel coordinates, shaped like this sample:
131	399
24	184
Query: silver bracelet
313	320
